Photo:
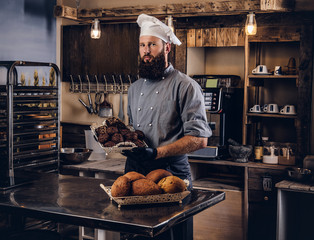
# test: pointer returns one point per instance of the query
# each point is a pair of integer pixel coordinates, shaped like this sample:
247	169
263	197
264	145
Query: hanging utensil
89	110
89	97
98	97
105	108
121	113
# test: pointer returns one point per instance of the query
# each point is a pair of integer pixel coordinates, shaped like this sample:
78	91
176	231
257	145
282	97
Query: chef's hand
141	153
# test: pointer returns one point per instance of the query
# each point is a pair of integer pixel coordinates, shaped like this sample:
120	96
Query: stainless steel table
80	201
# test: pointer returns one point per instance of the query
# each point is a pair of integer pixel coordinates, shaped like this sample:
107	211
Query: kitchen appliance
223	105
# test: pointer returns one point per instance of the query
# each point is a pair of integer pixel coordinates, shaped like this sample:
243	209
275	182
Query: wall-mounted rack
115	83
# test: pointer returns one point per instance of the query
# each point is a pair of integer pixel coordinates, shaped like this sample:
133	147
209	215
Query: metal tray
118	147
148	199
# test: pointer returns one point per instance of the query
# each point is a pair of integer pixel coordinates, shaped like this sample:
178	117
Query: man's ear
167	47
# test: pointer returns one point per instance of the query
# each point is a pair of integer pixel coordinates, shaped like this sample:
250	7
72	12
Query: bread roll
133	176
144	186
172	184
121	187
158	174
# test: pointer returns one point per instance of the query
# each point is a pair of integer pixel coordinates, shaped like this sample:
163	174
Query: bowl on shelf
74	155
240	153
300	174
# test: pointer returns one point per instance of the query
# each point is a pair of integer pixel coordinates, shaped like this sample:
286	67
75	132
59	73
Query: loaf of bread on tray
172	184
144	187
133	176
156	182
121	187
158	174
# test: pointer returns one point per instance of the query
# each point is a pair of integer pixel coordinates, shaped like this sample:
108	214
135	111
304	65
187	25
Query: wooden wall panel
115	52
190	38
198	38
180	51
276	34
304	122
209	37
230	37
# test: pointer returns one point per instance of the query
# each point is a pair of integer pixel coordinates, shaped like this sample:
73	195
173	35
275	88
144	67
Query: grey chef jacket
166	110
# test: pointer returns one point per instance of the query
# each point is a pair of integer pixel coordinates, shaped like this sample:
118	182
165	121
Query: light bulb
95	31
250	24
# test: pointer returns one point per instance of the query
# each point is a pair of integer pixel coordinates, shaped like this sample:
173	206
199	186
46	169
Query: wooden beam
65	12
275	34
278	5
214	7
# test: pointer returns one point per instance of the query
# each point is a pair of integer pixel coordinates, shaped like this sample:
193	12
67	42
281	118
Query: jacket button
157	92
138	125
151	108
139	109
142	94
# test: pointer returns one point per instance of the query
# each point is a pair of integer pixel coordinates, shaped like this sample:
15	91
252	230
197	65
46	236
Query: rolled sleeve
193	112
197	128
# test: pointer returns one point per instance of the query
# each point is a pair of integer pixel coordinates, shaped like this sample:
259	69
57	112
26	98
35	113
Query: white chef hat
151	26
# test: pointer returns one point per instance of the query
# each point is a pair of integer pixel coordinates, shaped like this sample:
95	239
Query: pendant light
95	31
250	24
170	22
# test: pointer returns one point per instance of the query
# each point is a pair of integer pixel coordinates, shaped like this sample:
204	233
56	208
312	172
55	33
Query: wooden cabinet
275	46
253	191
262	198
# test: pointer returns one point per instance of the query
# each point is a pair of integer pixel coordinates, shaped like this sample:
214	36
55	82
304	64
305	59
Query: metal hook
121	86
106	83
97	85
129	76
81	85
72	86
87	78
114	85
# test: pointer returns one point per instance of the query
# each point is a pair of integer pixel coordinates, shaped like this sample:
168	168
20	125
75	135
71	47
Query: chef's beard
153	70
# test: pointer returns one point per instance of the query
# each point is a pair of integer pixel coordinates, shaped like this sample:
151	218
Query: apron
177	165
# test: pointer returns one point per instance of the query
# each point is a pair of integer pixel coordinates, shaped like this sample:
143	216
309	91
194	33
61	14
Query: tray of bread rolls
114	136
158	186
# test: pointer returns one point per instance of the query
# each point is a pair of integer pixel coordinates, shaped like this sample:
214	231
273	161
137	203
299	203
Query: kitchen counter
109	168
295	186
80	201
295	210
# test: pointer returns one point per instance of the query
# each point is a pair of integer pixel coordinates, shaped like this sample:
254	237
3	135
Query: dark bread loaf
144	187
133	176
121	187
172	184
158	174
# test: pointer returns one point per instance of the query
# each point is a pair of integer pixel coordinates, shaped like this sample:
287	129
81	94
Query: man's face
154	56
150	47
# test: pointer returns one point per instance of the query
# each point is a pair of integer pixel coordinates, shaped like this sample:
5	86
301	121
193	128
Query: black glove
141	153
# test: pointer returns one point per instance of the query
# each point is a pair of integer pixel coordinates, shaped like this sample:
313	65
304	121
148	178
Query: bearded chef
168	107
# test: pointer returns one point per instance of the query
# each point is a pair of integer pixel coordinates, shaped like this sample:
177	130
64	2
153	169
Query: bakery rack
29	120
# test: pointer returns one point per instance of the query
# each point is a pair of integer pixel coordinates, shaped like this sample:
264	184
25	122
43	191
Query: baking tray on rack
147	199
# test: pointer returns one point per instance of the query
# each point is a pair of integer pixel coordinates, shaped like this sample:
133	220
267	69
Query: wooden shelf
274	76
249	164
268	115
